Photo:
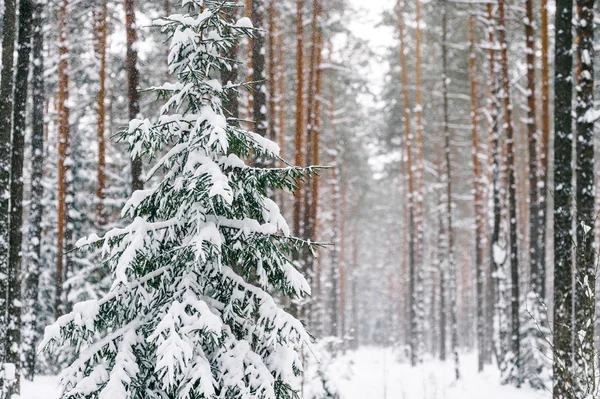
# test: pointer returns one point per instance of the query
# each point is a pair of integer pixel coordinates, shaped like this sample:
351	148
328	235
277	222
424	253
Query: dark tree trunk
537	276
6	105
133	80
32	306
512	204
563	190
585	273
13	344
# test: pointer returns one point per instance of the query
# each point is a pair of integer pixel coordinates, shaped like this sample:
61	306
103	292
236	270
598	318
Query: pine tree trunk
259	104
478	197
544	153
418	197
299	136
585	273
32	306
447	177
272	83
496	209
100	20
408	138
231	104
512	205
535	228
13	344
6	105
281	96
133	79
563	190
63	149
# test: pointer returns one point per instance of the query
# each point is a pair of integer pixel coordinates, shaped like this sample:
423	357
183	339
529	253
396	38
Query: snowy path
373	373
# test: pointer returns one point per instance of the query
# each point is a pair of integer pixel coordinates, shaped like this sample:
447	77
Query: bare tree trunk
535	227
418	197
512	205
299	137
412	329
544	153
6	106
272	83
259	105
478	197
32	276
585	273
100	20
133	79
563	191
63	150
13	344
447	177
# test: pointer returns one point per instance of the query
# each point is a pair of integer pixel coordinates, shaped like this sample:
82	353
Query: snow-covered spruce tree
189	314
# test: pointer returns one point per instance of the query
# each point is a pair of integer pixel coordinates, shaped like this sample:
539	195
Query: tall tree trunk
563	190
272	83
496	288
478	197
6	105
448	181
133	79
100	20
63	150
299	136
512	205
544	153
419	191
13	344
281	96
32	306
408	138
535	228
259	104
585	273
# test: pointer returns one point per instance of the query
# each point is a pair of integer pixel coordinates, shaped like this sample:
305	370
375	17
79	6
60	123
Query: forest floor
376	373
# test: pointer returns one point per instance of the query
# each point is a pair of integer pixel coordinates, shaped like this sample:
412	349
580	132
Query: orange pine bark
299	136
63	148
101	16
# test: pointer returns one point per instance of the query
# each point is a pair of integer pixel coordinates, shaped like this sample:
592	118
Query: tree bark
545	145
478	198
259	104
63	149
32	277
537	276
13	344
585	277
133	80
100	20
563	190
6	106
299	136
512	205
408	138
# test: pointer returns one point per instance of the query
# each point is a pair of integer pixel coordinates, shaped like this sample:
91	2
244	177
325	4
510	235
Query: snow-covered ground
375	373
